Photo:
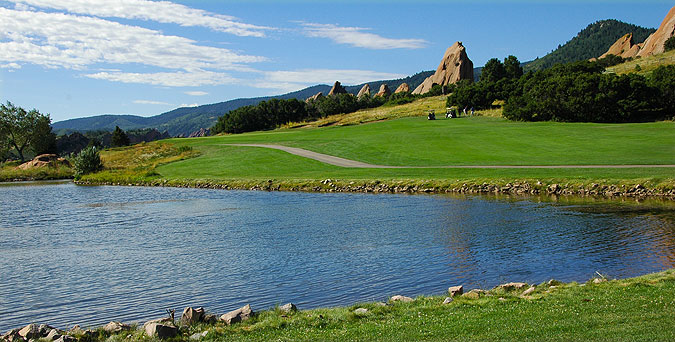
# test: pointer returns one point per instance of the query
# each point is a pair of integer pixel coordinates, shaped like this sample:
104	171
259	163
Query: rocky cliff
455	66
654	44
624	47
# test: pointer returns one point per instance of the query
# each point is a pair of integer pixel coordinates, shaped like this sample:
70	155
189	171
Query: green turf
418	142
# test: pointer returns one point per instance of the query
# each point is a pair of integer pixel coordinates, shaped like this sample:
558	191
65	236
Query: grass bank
10	173
636	309
401	136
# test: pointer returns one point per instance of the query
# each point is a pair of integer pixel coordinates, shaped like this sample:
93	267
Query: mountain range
591	42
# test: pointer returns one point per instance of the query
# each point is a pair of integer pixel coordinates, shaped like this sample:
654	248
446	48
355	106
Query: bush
87	161
670	44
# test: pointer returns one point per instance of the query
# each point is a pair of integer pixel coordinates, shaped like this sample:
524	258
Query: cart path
342	162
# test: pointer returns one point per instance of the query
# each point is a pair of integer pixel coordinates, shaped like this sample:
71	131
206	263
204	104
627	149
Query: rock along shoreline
196	323
522	188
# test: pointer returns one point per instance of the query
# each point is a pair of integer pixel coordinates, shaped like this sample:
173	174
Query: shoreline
198	323
631	190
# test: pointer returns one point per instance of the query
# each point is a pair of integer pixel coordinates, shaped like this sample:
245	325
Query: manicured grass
415	141
637	309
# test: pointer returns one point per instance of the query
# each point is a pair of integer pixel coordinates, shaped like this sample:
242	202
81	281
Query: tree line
574	92
275	113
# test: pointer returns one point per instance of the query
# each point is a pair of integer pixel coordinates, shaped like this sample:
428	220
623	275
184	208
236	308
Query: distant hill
185	120
591	42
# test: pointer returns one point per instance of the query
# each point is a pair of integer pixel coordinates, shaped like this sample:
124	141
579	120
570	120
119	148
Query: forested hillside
591	42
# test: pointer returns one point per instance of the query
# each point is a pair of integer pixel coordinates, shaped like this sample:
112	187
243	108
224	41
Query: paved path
337	161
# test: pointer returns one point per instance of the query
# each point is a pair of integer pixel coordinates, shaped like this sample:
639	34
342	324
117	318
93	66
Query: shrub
669	44
87	161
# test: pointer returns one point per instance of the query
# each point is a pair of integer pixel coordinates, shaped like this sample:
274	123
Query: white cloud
10	66
159	11
150	102
356	36
68	41
196	93
170	79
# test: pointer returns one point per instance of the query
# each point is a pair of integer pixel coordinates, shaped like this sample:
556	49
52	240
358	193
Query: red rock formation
654	43
403	88
384	90
455	66
624	47
365	91
337	89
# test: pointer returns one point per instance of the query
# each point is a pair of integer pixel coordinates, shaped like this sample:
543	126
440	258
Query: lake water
87	255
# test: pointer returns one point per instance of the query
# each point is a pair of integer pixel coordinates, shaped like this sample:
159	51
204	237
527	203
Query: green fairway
418	142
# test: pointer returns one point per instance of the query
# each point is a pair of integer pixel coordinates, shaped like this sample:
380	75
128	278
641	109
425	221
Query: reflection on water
87	255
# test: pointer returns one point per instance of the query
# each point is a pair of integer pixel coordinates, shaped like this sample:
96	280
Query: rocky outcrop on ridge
624	47
314	97
365	91
337	89
454	66
384	91
202	132
403	88
654	43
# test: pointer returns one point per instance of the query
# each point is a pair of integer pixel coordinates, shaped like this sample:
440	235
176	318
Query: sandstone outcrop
314	97
454	67
44	160
337	89
403	88
654	43
202	132
238	315
365	91
384	90
624	47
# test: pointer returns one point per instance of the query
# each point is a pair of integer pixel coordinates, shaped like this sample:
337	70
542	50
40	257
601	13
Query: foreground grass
9	172
636	309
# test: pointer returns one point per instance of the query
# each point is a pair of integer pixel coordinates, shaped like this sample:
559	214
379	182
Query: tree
119	138
87	161
21	128
493	71
512	67
44	141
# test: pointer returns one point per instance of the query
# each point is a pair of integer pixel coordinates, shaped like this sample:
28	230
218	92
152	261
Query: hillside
591	42
183	121
644	65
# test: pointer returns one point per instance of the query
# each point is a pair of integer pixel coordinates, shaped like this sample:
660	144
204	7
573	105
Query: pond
91	254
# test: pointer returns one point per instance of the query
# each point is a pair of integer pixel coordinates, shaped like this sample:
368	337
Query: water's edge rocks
520	188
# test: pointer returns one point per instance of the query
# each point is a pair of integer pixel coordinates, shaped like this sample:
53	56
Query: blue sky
75	58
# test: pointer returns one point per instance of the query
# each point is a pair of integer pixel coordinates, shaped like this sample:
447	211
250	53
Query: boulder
474	294
160	330
12	335
65	338
511	286
624	47
44	160
53	335
191	316
454	67
403	88
455	290
31	331
384	90
115	327
399	298
288	308
210	318
447	300
337	89
239	315
315	97
365	91
654	44
361	311
199	336
529	291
